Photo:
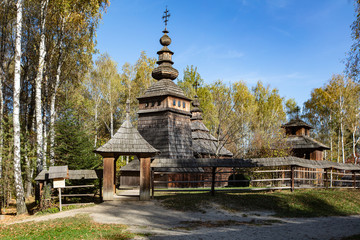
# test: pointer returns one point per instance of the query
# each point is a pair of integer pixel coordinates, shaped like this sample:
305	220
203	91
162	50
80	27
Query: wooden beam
145	179
152	183
354	179
292	178
108	179
326	183
213	172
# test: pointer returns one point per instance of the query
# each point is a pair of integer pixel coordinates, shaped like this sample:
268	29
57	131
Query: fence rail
263	180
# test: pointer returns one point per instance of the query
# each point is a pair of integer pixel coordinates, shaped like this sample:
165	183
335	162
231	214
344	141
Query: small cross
196	85
166	16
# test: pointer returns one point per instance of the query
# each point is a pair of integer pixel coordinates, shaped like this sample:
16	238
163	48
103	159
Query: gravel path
160	223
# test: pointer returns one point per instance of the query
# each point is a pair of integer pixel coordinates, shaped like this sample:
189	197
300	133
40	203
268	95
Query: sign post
59	183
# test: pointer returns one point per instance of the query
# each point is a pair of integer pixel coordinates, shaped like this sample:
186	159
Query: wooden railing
290	178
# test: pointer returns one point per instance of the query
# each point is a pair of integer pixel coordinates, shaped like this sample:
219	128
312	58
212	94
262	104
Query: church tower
164	110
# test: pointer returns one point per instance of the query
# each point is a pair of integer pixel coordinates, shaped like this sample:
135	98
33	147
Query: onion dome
165	69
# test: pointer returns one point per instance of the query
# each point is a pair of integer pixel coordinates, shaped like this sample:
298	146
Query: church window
179	103
174	102
159	103
146	104
184	105
153	104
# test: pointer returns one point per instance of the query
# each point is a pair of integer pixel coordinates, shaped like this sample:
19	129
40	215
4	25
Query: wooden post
60	199
326	183
101	189
114	185
108	179
152	183
331	178
292	178
213	181
354	179
145	179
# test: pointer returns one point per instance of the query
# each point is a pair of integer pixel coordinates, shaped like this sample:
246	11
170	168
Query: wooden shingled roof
164	87
305	142
73	174
128	141
58	172
203	142
297	123
252	162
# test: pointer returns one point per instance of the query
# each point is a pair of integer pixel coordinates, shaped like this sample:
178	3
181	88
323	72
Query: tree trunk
354	145
19	188
111	109
28	182
38	86
338	148
96	128
342	141
53	99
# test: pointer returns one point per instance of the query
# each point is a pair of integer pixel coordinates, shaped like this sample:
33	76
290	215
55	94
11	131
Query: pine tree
73	144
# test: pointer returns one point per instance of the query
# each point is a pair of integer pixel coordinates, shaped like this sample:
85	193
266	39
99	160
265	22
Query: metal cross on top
166	16
196	85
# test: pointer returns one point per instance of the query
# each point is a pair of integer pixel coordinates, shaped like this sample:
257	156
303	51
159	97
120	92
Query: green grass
79	227
64	208
301	203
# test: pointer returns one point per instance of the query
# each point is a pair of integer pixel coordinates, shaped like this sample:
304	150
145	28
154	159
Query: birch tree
38	90
19	188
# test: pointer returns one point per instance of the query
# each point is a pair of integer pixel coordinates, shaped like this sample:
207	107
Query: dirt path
160	223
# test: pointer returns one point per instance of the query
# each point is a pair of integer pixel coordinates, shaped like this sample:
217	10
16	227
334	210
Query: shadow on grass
308	203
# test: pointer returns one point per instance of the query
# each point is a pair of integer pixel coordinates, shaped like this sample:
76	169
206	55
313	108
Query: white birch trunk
96	128
53	114
338	148
38	85
45	121
28	184
331	139
19	188
111	111
53	98
354	145
342	131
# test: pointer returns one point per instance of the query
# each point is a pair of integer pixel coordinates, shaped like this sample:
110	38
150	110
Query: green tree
73	143
353	60
334	110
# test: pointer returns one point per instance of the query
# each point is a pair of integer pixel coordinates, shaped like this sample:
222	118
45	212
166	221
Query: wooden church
172	123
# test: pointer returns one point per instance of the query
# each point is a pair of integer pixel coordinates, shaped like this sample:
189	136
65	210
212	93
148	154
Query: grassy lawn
79	227
301	203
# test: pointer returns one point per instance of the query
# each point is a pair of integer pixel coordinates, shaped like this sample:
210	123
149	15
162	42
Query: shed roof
58	172
82	174
297	123
305	142
133	166
128	141
73	174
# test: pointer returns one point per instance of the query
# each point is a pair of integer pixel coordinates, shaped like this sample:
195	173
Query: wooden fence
264	179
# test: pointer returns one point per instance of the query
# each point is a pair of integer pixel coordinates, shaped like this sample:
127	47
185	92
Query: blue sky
292	45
